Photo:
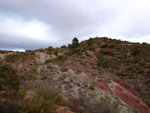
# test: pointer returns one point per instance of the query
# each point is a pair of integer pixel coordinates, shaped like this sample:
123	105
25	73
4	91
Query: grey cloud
70	18
13	43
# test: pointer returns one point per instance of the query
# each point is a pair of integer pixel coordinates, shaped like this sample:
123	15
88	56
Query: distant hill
98	75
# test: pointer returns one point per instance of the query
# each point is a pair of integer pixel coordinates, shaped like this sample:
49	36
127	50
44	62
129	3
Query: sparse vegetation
104	46
92	105
9	78
102	62
92	86
107	52
43	101
63	69
91	60
12	58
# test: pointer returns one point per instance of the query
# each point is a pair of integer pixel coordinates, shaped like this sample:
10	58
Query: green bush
139	70
102	62
9	79
76	50
48	61
9	107
64	46
120	74
90	42
43	100
111	46
11	58
50	93
104	46
38	105
136	52
92	86
56	53
87	54
91	48
107	52
64	69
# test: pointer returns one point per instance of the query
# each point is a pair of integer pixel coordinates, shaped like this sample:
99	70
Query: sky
33	24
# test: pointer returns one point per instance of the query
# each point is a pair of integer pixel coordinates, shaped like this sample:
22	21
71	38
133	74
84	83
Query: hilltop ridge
104	72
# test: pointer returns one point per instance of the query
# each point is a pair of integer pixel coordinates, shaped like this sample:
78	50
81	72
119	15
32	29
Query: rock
70	71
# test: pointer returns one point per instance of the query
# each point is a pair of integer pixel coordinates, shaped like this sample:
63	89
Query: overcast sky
31	24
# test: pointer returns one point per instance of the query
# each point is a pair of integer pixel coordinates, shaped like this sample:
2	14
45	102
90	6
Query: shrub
136	52
38	105
102	62
50	47
104	46
136	60
9	79
43	101
44	77
64	46
11	58
60	57
48	61
112	46
64	69
90	42
140	70
49	50
92	105
107	52
92	86
91	48
76	50
87	54
56	53
9	107
2	52
120	74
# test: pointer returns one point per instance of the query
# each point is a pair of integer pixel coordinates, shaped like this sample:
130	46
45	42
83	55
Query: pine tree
75	43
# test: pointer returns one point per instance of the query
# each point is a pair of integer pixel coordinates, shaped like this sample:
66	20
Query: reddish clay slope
123	94
23	63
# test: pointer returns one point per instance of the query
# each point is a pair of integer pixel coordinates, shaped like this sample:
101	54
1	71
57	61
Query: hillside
98	75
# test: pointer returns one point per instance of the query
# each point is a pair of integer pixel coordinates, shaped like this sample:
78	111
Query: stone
70	71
